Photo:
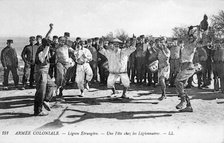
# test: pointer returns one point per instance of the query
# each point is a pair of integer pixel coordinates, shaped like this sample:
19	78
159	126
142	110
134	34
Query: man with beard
117	60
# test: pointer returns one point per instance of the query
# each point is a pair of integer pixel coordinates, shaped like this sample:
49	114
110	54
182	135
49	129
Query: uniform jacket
29	53
118	60
9	57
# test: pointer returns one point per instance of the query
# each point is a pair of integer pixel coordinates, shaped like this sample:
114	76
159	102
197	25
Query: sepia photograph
112	71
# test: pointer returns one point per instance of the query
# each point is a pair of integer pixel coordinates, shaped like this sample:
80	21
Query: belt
118	72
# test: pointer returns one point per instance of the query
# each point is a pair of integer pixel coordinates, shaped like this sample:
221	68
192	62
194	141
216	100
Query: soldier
10	63
131	63
93	63
140	59
28	56
200	56
39	40
45	86
117	59
63	62
53	69
218	66
152	55
174	61
187	69
163	66
84	72
103	65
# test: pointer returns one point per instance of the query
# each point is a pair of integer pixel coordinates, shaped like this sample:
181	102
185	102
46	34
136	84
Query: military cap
32	38
9	41
67	34
78	38
39	36
96	38
142	36
55	37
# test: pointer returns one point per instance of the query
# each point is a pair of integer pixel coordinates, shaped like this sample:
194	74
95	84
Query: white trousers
83	73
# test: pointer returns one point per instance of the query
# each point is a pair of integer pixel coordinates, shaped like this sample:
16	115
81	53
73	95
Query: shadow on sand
129	115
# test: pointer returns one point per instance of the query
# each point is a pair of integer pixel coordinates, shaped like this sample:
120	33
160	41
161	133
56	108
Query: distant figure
28	56
10	63
204	23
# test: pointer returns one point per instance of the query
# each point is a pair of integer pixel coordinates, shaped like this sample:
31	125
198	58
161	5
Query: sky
90	18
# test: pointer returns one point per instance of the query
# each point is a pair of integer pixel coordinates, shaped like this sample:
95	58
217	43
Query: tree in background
121	35
180	32
217	24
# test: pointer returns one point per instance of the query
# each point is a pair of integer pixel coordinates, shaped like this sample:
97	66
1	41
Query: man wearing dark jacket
28	56
10	63
45	86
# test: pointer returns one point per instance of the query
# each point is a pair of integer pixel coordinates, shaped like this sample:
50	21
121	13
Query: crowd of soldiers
53	64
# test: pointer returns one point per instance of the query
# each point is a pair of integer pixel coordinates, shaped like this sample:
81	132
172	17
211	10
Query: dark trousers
70	74
140	63
28	72
45	87
14	75
93	65
53	70
207	71
103	73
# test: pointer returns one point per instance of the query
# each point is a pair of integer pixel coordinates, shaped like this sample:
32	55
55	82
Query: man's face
39	40
55	40
61	41
32	42
9	44
106	43
116	46
142	40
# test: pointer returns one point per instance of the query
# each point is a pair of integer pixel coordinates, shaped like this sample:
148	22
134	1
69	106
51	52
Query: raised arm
49	32
131	49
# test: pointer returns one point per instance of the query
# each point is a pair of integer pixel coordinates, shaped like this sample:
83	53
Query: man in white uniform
84	73
117	60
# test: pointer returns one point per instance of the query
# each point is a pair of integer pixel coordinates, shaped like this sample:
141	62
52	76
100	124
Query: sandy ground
98	118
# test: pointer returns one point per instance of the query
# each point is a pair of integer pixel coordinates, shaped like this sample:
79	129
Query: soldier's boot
163	96
182	103
188	107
